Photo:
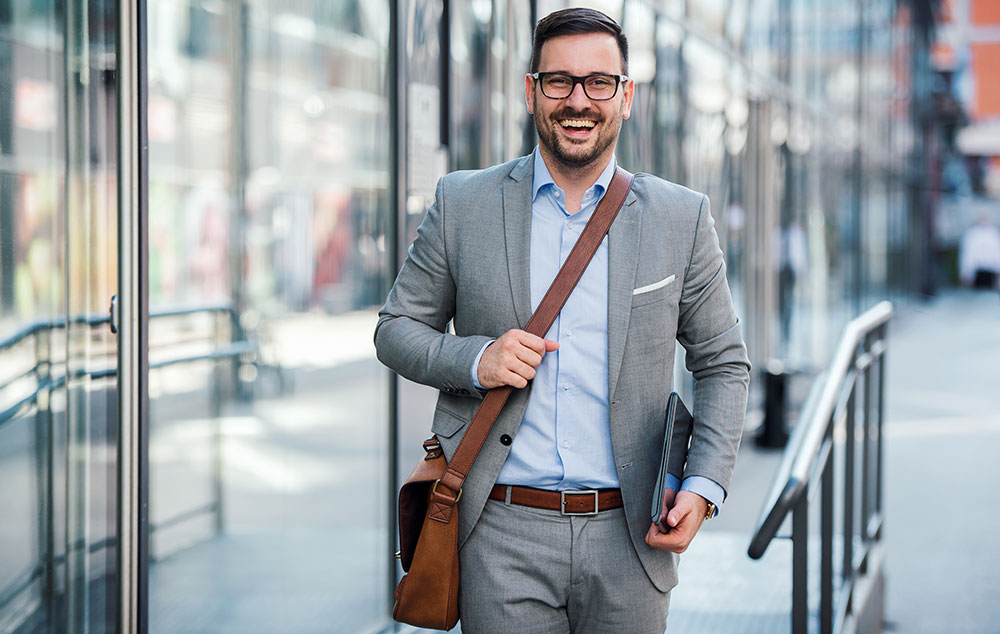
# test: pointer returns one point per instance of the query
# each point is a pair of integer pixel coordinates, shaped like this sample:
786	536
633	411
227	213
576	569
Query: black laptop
676	436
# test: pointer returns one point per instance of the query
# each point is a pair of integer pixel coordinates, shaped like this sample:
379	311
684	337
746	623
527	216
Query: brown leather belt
567	502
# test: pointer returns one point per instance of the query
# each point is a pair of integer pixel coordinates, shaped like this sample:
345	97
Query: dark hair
576	21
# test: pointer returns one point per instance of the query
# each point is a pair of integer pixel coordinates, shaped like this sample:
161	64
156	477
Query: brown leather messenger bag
427	596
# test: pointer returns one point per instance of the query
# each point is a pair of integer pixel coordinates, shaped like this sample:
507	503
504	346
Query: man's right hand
512	359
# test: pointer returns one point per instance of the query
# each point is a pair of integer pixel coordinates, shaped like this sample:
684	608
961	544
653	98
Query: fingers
676	540
526	354
668	502
683	521
679	511
687	504
518	374
533	346
512	359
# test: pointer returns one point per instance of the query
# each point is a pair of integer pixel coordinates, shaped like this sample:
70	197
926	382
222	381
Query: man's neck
575	181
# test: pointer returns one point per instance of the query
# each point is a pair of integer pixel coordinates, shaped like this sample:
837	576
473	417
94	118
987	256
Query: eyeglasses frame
577	79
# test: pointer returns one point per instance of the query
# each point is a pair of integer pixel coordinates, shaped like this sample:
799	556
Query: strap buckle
562	502
458	496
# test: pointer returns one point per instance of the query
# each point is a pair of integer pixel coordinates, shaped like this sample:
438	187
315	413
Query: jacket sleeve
716	355
412	336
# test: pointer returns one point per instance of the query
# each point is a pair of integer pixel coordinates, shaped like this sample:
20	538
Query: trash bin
774	432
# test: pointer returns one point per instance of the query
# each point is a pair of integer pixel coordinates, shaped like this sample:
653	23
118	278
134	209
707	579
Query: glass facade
268	210
293	148
57	269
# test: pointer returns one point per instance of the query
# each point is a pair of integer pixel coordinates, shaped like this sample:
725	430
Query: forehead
581	54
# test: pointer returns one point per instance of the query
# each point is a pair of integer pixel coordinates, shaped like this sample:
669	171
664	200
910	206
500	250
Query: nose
578	98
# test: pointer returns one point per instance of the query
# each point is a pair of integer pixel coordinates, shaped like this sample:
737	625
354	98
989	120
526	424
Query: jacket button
506	440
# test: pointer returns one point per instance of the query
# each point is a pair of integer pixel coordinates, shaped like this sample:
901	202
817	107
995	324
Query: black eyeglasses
598	87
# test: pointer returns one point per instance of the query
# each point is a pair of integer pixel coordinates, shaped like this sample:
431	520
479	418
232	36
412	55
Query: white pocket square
654	286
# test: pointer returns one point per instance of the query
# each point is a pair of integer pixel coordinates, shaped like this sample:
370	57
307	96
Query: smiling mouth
577	125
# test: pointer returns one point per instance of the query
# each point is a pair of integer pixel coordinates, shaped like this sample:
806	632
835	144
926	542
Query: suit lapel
623	259
517	235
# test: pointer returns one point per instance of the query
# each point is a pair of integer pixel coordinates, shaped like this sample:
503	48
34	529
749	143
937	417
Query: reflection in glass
470	114
269	208
57	275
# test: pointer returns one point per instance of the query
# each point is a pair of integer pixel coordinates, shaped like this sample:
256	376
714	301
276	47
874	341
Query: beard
573	153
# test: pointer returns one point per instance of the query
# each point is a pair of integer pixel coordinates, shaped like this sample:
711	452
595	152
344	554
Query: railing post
882	333
800	566
866	448
847	571
826	542
215	400
45	467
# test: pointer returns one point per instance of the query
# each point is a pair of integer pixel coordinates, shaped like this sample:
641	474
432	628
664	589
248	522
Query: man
590	417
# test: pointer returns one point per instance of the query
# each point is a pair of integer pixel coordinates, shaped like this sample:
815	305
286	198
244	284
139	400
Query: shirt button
565	444
565	386
505	440
569	333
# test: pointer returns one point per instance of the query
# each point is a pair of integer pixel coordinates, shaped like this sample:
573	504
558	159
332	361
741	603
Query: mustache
572	113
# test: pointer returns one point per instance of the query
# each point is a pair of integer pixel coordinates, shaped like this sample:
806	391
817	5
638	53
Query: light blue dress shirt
564	441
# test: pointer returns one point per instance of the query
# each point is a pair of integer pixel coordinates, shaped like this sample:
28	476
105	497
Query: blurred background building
293	147
965	116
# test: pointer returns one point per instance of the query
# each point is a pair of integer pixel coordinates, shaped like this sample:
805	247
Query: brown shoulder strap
540	322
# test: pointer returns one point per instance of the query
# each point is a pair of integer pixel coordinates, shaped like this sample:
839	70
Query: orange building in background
968	42
985	57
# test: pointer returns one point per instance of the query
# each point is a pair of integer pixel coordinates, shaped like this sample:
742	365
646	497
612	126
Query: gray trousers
526	570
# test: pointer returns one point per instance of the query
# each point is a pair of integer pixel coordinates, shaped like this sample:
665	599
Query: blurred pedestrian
590	426
979	255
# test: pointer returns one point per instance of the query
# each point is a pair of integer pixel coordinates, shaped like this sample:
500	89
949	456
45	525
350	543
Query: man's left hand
683	520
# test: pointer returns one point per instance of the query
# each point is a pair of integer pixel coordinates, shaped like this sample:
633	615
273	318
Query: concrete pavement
943	467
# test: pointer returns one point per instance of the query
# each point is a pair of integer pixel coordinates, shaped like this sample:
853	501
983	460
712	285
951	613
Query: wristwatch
710	511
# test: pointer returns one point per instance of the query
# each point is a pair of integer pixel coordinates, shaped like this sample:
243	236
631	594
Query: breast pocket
655	291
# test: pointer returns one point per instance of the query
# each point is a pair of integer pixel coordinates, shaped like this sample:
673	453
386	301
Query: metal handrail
96	319
807	469
233	349
93	319
806	442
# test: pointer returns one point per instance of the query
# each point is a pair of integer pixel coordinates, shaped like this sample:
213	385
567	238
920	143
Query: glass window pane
57	275
269	213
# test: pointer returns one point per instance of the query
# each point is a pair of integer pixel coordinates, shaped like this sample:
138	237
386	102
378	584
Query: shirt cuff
475	366
673	482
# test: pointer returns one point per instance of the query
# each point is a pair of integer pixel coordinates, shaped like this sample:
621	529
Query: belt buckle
562	502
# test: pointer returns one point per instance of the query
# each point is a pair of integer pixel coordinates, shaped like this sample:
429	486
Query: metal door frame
133	320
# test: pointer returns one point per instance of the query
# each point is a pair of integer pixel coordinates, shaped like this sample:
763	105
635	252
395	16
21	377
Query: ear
628	92
529	93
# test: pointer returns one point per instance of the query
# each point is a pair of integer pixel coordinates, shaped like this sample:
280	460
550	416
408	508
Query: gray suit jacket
470	263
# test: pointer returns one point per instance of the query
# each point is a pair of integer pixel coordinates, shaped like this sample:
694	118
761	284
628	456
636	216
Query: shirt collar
542	177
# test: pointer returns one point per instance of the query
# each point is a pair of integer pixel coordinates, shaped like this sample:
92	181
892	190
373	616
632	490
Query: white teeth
577	123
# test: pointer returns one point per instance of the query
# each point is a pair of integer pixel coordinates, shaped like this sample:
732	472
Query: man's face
577	130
